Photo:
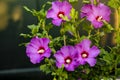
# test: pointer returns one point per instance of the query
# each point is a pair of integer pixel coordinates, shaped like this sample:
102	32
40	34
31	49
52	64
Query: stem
116	63
64	40
115	68
43	25
51	64
78	35
64	36
89	33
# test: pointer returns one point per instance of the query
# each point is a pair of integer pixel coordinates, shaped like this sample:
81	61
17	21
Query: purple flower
86	10
38	49
87	54
58	10
96	14
67	56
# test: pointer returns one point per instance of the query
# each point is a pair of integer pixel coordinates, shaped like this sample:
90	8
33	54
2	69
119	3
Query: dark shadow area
14	64
13	21
24	74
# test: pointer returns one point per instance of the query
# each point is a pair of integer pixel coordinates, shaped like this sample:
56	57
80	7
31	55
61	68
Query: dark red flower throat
41	50
68	60
60	14
84	54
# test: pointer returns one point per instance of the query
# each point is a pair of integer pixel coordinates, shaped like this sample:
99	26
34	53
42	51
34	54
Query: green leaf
87	71
27	9
86	1
74	14
39	14
34	28
107	27
118	59
83	37
87	27
69	28
48	27
103	52
25	35
54	78
65	75
73	0
109	58
45	68
118	72
56	43
23	44
107	78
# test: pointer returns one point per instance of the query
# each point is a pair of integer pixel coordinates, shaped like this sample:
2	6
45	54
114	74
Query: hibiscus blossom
38	49
96	14
86	10
87	54
67	56
58	10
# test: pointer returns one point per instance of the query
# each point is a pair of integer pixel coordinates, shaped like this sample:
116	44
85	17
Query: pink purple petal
35	58
51	14
85	44
94	52
57	22
86	10
91	61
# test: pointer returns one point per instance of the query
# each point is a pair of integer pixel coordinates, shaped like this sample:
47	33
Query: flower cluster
72	57
69	56
80	55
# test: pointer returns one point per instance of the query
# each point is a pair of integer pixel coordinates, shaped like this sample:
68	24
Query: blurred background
14	64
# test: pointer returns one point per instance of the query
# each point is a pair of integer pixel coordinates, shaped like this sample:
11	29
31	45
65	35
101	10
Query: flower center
41	50
68	60
99	18
84	54
60	14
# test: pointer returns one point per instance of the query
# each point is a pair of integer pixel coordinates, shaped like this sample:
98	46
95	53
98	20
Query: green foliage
86	1
73	0
108	58
25	35
114	3
39	14
68	28
118	72
118	58
107	28
117	38
34	29
62	75
45	68
74	14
